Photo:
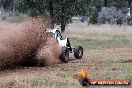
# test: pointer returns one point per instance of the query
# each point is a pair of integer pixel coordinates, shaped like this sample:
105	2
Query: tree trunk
51	13
63	24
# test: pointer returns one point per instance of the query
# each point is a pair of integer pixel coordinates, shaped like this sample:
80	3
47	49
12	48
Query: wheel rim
80	52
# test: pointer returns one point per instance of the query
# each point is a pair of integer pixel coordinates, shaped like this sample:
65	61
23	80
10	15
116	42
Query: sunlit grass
116	41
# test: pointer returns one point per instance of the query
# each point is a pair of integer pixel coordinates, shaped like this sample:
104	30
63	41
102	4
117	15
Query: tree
89	8
61	11
65	13
58	10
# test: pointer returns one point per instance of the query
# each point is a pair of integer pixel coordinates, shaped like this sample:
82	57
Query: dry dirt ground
107	55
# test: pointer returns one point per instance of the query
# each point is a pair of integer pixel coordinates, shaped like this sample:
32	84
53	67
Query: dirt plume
49	53
22	42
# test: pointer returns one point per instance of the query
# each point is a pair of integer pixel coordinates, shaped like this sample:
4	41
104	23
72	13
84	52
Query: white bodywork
57	36
62	42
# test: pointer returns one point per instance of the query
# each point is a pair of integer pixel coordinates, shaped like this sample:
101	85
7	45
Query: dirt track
97	67
49	76
101	63
52	76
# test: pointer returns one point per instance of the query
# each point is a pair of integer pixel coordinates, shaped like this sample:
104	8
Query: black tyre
65	54
84	81
78	52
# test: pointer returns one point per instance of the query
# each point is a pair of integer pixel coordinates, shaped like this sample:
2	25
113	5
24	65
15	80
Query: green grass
116	41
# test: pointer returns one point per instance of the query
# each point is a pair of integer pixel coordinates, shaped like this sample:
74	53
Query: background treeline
61	11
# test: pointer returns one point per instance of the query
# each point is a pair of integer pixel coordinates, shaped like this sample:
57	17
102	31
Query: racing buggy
66	46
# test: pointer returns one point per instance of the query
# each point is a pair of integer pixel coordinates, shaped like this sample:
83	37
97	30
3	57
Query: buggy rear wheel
65	54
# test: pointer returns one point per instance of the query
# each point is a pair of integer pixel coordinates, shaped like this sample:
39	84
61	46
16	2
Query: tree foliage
59	11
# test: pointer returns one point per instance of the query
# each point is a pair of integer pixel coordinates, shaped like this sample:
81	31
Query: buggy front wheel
78	52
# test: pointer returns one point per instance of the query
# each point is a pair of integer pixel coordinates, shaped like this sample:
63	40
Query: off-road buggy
66	46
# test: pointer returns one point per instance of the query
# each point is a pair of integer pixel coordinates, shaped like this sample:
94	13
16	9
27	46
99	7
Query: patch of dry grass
15	19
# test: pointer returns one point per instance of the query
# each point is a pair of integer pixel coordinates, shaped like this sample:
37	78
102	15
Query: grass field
107	55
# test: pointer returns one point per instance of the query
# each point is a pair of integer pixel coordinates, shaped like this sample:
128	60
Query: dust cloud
27	43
